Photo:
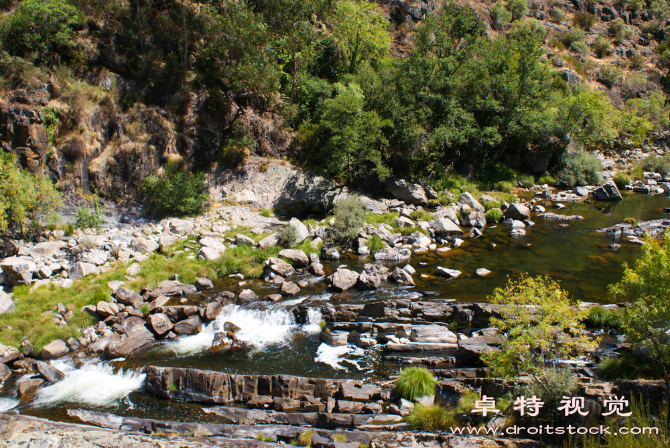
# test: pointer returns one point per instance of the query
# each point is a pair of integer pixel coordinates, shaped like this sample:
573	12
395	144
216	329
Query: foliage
349	217
494	215
175	192
549	385
655	164
42	27
430	418
629	366
631	221
572	36
287	236
23	195
244	259
265	212
602	47
535	315
609	75
621	180
375	243
619	30
517	8
85	218
500	15
652	108
305	438
602	317
415	382
526	180
360	31
556	14
580	168
585	20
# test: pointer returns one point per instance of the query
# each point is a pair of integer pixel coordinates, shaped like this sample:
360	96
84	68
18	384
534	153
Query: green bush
349	217
41	27
430	418
494	215
655	164
584	20
602	47
500	15
488	205
609	75
619	30
504	186
375	243
526	180
572	36
580	47
415	382
517	8
629	366
85	218
602	317
621	180
549	386
287	236
557	15
175	192
546	180
265	212
580	168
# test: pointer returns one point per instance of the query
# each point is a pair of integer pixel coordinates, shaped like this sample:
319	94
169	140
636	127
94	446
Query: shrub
580	168
375	243
265	212
572	36
580	47
430	418
287	236
305	438
631	221
488	205
494	215
655	164
557	15
546	180
585	20
41	27
619	30
602	47
85	218
629	366
420	215
602	317
175	192
549	386
526	180
500	16
517	8
621	180
415	382
609	75
636	61
349	217
504	186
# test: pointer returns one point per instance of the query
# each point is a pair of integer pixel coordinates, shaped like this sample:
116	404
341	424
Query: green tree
23	195
349	217
538	322
646	286
43	27
360	30
175	192
353	137
518	8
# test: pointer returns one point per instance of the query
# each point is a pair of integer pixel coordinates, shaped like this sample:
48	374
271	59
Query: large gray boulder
446	228
474	219
54	349
368	282
144	245
469	200
432	333
279	267
8	354
160	323
517	211
343	279
298	258
129	297
18	269
6	304
608	192
402	277
190	326
408	193
301	231
46	249
80	269
449	273
269	241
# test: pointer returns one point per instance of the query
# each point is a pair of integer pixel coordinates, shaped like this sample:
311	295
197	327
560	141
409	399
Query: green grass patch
158	268
629	366
306	246
375	243
602	317
421	215
415	382
621	180
387	218
244	259
494	215
266	212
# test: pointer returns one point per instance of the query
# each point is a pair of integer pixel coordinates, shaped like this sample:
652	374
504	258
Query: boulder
144	245
6	303
368	282
8	354
54	349
474	219
129	297
297	257
269	241
213	243
212	310
316	269
403	222
46	249
243	239
209	254
4	373
449	273
432	333
18	269
131	324
160	323
446	228
95	256
172	288
114	285
330	252
289	288
27	387
430	193
608	192
517	212
190	326
246	296
301	231
402	277
124	346
469	200
343	279
392	254
482	272
80	269
167	240
106	309
48	372
408	193
279	266
203	284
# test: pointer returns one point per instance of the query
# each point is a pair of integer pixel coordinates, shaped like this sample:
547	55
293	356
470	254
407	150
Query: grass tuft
415	382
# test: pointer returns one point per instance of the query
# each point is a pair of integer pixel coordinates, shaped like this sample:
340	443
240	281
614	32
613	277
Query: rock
581	191
8	354
402	277
432	333
6	303
213	243
539	209
106	309
426	400
129	297
316	269
362	246
48	372
358	391
160	323
608	192
246	296
343	279
4	373
296	257
54	349
203	284
409	269
190	326
209	254
144	245
279	267
212	310
124	346
167	240
430	193
482	272
133	269
80	269
368	282
29	386
46	249
115	285
403	222
517	212
131	324
474	219
289	288
269	241
172	288
469	200
19	269
392	254
446	228
408	193
301	231
330	252
243	239
96	256
315	243
449	273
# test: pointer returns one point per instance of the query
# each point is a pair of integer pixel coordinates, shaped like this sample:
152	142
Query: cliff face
92	130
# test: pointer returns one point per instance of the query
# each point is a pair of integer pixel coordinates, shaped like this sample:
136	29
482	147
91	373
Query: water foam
8	403
95	383
333	356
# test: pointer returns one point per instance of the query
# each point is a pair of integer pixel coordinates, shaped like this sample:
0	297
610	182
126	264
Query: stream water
569	251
